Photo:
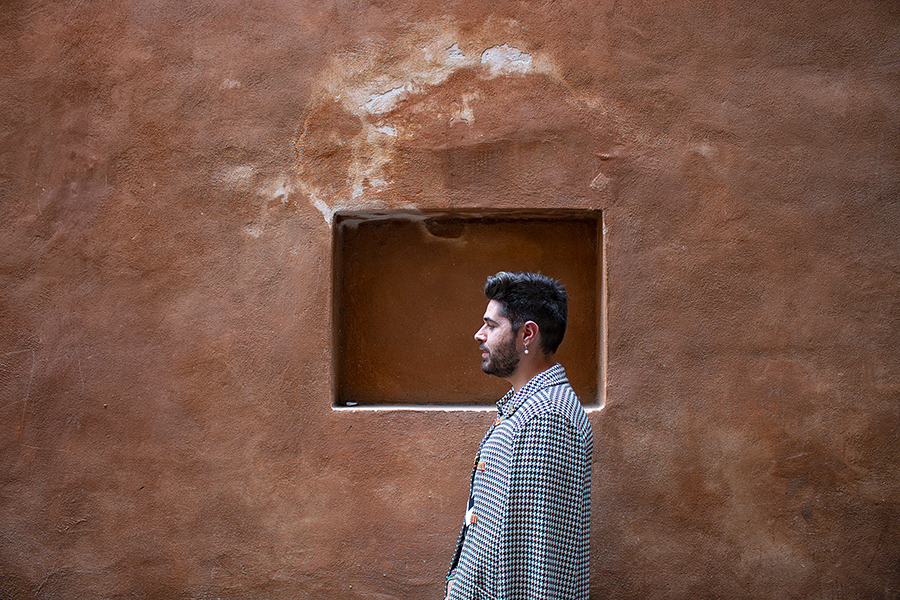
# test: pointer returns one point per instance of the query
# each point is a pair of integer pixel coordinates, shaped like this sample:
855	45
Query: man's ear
530	332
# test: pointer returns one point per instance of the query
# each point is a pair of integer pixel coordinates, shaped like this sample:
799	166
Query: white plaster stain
378	182
504	60
326	210
372	80
377	151
462	111
358	189
240	176
348	77
277	189
386	101
705	150
600	182
230	84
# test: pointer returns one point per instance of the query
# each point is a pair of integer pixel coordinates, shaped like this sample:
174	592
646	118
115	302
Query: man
527	527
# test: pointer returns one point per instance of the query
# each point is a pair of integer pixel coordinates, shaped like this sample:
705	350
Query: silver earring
526	348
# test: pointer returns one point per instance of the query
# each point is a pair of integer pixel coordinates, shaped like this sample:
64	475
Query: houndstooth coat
526	533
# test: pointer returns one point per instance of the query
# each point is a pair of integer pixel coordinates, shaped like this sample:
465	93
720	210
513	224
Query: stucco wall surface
169	174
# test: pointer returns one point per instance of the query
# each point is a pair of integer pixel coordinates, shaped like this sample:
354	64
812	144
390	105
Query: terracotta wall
169	173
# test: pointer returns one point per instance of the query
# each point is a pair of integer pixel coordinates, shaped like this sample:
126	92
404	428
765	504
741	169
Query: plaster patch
705	150
504	60
372	81
385	102
326	210
370	170
440	52
241	176
462	111
452	54
253	231
600	182
278	189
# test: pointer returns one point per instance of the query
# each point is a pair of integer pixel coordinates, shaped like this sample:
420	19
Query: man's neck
530	366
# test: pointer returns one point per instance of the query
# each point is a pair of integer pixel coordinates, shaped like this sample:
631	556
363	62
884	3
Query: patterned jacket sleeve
541	550
455	562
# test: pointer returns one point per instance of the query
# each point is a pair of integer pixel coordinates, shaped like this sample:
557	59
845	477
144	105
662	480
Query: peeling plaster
503	60
372	82
385	102
454	51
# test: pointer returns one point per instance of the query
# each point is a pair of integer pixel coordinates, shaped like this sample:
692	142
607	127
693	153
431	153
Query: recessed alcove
408	299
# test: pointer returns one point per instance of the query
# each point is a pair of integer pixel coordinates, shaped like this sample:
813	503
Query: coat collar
513	399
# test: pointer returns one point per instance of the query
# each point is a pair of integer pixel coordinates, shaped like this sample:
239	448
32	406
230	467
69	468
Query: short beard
503	362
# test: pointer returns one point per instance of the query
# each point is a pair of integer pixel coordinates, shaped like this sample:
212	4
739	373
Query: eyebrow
491	321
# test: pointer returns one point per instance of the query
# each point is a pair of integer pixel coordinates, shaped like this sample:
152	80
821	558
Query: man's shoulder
559	399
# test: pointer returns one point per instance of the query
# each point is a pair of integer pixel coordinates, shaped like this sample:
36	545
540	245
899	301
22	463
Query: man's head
498	343
524	297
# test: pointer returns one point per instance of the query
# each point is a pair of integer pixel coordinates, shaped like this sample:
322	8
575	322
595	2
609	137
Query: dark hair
531	297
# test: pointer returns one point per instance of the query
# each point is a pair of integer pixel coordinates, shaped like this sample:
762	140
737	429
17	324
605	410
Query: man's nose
479	335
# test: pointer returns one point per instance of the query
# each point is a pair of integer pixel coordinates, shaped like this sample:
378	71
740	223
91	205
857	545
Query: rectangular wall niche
409	297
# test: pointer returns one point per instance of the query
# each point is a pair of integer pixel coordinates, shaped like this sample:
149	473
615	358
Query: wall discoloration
430	112
168	178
